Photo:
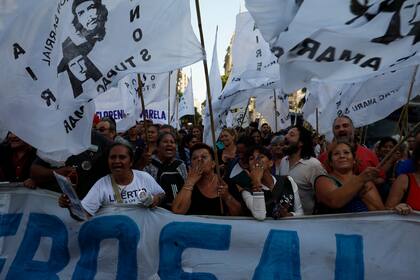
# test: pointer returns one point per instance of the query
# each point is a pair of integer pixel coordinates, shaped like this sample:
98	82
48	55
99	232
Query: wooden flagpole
246	111
140	93
169	99
275	110
206	73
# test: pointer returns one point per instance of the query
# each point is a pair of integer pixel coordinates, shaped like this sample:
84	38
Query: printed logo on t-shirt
127	196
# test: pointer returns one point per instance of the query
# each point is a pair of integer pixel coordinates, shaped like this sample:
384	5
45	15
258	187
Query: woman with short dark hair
203	192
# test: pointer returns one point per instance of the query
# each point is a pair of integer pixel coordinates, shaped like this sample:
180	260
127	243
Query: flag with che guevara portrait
56	56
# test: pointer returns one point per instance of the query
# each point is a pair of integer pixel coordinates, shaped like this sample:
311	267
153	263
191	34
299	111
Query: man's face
343	130
103	128
87	14
291	142
265	128
78	67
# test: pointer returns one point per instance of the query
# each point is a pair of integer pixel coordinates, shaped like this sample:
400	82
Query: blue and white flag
58	55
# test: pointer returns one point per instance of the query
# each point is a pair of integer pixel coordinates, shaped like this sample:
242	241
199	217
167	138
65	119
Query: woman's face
202	157
226	138
257	137
152	134
119	160
257	159
385	149
342	158
167	147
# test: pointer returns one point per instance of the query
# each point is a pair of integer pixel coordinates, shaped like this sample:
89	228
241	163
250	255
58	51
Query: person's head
196	131
15	142
89	18
153	133
202	155
385	145
242	146
343	129
166	146
276	146
190	140
107	127
342	157
259	157
256	136
166	128
120	158
298	140
411	141
265	129
228	136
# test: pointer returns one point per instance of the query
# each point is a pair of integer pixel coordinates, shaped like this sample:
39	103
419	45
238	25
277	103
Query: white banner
121	103
275	113
358	40
41	241
364	103
56	55
157	89
186	102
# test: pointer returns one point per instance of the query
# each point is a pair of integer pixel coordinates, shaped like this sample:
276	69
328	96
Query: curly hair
98	33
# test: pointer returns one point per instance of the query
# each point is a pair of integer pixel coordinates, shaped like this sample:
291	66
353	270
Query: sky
221	13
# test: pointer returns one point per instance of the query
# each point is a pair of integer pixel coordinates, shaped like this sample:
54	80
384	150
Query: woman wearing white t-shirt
122	185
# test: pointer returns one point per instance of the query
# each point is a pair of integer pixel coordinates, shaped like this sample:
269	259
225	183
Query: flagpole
140	93
169	99
275	109
404	112
206	73
246	111
317	120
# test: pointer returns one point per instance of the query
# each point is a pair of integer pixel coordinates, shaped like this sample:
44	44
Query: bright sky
214	13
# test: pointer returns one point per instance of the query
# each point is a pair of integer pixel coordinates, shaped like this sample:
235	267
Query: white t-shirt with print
102	192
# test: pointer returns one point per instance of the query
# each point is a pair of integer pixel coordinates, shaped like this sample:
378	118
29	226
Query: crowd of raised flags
70	88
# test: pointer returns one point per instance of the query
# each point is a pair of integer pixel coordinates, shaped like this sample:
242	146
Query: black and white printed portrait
404	21
89	18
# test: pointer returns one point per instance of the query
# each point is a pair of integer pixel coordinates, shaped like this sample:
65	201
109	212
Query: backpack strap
116	190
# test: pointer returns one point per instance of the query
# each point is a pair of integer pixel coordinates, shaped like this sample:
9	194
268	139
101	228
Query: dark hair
123	144
245	140
200	146
187	139
385	140
260	149
162	135
305	137
112	123
99	32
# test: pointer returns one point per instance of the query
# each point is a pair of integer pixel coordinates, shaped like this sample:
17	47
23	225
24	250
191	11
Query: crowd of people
254	172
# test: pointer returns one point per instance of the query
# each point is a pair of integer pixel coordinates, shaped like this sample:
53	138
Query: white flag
348	41
186	102
157	89
254	65
276	113
272	16
364	102
215	90
57	55
120	103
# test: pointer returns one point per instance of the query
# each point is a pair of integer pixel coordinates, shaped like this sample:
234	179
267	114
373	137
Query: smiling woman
123	185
